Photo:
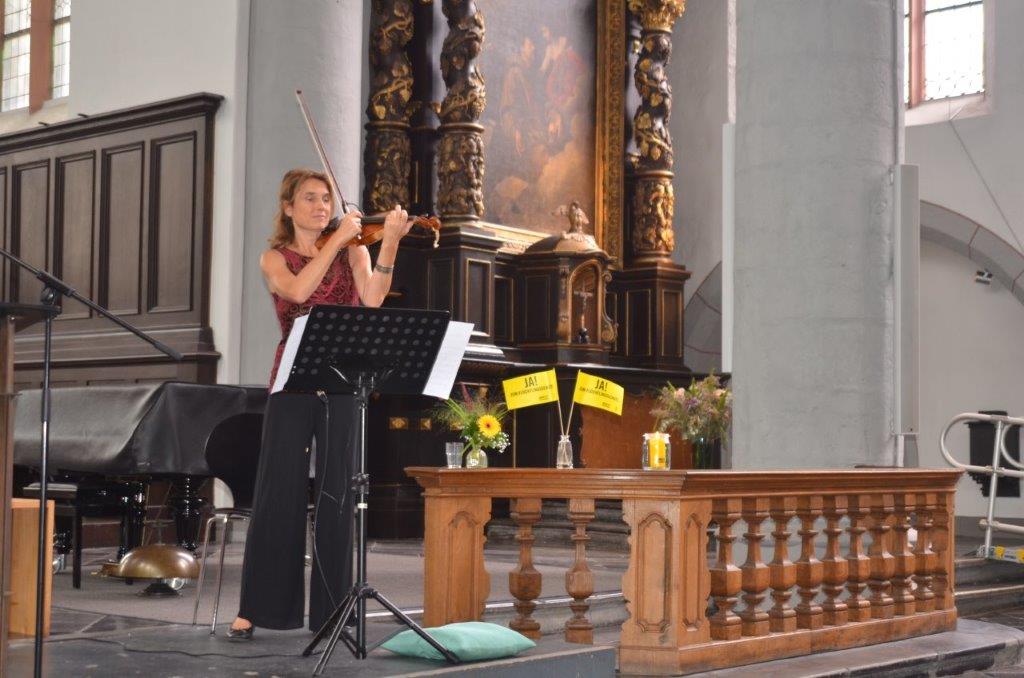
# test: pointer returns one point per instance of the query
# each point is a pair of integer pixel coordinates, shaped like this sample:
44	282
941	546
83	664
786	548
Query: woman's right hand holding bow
350	226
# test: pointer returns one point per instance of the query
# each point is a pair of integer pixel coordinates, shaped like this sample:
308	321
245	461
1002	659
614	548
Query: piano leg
133	518
188	511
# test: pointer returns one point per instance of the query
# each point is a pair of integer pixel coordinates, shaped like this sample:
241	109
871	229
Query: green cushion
470	641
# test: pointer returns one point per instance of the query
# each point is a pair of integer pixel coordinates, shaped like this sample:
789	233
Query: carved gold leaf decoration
657	15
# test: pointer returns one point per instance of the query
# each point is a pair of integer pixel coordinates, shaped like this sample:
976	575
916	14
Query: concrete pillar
816	141
317	47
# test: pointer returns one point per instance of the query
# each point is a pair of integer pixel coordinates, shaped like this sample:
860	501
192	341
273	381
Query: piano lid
134	429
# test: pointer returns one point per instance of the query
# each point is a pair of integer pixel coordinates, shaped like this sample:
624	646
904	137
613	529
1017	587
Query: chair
232	455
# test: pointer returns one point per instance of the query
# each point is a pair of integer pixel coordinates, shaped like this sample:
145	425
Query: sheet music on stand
346	336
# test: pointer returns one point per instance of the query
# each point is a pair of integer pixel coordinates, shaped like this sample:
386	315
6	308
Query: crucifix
582	337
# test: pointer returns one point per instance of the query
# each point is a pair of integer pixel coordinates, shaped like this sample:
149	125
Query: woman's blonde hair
284	229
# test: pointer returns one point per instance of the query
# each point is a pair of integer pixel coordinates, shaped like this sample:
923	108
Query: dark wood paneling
478	294
441	284
504	309
172	208
121	229
638	322
672	314
74	236
30	222
117	204
538	309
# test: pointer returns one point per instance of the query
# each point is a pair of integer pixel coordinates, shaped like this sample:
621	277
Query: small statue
577	217
577	220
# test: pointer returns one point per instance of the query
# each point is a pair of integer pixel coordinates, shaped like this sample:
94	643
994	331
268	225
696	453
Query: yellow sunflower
489	426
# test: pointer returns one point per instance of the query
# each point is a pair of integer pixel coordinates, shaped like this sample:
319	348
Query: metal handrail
1004	425
1002	429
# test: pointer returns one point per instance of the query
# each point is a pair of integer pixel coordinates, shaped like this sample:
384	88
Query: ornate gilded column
386	158
648	291
653	198
460	162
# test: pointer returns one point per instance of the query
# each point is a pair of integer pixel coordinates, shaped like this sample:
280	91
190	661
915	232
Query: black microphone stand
53	289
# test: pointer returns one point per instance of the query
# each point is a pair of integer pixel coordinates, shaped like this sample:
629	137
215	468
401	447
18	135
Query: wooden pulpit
13	317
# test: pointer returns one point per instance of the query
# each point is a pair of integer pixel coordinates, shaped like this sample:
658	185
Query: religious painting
540	65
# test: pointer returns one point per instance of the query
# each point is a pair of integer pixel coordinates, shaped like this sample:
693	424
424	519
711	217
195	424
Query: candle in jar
656	451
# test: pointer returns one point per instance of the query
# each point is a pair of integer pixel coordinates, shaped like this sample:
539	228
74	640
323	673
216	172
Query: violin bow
318	145
328	170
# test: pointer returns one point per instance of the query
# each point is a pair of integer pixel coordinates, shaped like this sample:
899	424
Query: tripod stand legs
335	626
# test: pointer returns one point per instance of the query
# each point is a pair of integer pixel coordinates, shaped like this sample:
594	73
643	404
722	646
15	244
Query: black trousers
273	568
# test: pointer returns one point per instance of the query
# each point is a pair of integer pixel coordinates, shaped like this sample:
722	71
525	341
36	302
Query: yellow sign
598	392
538	388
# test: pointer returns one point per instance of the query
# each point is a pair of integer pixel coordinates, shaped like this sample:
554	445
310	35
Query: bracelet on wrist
384	269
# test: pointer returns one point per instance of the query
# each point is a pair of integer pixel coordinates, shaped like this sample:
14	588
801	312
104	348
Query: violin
373	225
373	229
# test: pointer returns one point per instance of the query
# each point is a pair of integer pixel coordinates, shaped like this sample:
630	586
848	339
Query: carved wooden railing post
726	578
882	563
859	565
902	594
460	160
924	557
781	616
455	581
835	567
653	200
809	569
942	544
524	581
666	585
386	158
755	571
579	580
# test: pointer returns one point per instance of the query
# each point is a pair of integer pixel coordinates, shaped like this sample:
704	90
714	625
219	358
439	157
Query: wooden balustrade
884	587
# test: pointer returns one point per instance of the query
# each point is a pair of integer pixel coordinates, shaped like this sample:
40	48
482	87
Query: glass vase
657	453
475	457
563	454
703	452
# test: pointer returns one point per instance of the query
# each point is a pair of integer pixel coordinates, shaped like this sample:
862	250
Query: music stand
359	350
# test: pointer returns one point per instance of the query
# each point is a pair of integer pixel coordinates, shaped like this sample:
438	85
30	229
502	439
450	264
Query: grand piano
112	440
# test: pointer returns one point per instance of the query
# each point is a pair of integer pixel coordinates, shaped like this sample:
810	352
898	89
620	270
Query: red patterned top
337	287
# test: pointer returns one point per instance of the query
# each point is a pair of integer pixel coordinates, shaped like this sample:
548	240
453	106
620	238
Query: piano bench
76	501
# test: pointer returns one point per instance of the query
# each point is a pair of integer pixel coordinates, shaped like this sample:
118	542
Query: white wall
979	143
131	53
701	75
971	359
969	152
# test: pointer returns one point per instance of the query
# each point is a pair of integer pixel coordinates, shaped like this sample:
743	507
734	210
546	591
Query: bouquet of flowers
701	412
477	419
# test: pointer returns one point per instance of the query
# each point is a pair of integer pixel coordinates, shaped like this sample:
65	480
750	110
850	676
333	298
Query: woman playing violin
301	273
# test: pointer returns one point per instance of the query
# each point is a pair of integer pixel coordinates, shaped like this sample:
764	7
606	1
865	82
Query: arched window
945	49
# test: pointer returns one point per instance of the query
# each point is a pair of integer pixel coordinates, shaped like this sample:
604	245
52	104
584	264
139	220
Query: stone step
971	570
977	598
